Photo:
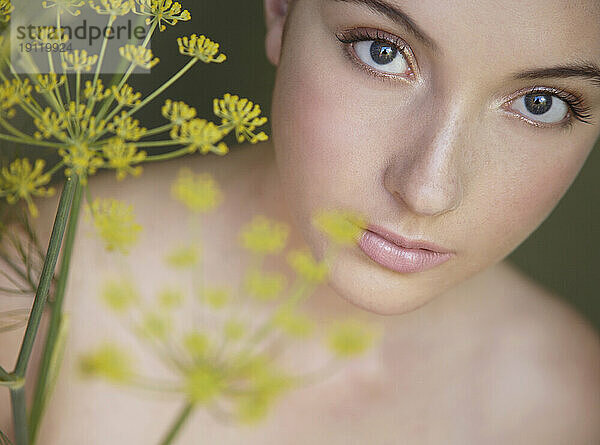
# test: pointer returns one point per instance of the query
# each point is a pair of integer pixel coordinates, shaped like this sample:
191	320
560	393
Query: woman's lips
398	258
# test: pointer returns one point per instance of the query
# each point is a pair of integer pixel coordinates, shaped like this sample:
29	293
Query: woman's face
431	132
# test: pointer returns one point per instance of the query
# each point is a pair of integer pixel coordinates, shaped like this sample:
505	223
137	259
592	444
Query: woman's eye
541	107
381	55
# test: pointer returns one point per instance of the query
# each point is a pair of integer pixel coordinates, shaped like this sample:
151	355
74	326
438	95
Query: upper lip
406	242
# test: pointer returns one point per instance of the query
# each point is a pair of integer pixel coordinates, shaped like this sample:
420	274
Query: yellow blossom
159	11
293	323
169	298
306	267
48	82
155	326
79	61
241	115
182	257
5	9
138	56
203	383
349	337
126	127
201	48
121	156
69	6
108	361
76	112
264	236
199	134
50	34
178	112
119	295
13	92
343	227
80	160
112	7
264	287
196	344
216	297
234	329
96	91
91	127
21	181
114	221
126	96
51	124
198	192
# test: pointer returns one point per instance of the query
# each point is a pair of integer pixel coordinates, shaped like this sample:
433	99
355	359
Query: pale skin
473	351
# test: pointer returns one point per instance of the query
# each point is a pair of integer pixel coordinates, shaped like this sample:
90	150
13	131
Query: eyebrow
587	70
395	14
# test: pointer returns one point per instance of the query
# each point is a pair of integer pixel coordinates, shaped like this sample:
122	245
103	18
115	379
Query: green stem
56	318
179	421
92	99
165	156
19	140
41	295
17	398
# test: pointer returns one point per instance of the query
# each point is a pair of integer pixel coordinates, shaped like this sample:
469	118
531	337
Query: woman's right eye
382	56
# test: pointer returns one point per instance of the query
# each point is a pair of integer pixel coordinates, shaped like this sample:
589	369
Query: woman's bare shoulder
546	357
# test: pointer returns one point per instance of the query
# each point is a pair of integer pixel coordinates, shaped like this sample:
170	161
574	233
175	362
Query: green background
563	254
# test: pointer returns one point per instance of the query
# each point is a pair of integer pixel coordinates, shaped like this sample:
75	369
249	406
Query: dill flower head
196	344
199	134
79	61
216	297
47	82
264	236
240	115
178	112
183	257
119	295
306	267
138	56
5	9
342	227
80	160
155	326
162	11
198	192
234	329
69	6
20	181
121	156
112	7
115	223
293	323
125	96
170	298
13	92
263	286
108	361
348	338
203	383
201	48
126	127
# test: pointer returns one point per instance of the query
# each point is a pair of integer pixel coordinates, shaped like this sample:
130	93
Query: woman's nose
427	178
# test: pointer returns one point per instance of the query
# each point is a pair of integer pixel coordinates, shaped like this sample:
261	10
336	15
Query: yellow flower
138	56
91	127
115	224
201	48
155	326
203	383
51	124
199	193
241	115
96	91
21	181
77	112
48	82
108	361
13	92
234	329
79	61
5	9
80	160
197	344
121	156
182	257
50	34
216	297
264	287
160	11
293	323
120	295
169	298
200	134
342	227
69	6
305	265
113	7
126	96
349	338
178	112
264	236
126	127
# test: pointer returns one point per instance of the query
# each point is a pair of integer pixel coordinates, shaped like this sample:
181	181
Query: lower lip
399	259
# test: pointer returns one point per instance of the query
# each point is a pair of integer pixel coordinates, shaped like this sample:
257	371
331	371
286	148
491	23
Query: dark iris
382	52
538	103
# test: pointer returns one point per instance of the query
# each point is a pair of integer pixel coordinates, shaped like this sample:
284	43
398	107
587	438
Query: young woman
456	127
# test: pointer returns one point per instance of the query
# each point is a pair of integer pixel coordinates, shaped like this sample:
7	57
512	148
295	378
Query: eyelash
577	106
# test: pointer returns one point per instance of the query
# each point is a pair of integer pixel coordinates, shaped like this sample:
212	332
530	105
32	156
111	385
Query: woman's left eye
541	107
382	56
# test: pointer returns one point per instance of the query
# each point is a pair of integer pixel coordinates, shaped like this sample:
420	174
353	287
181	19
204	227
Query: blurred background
563	254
